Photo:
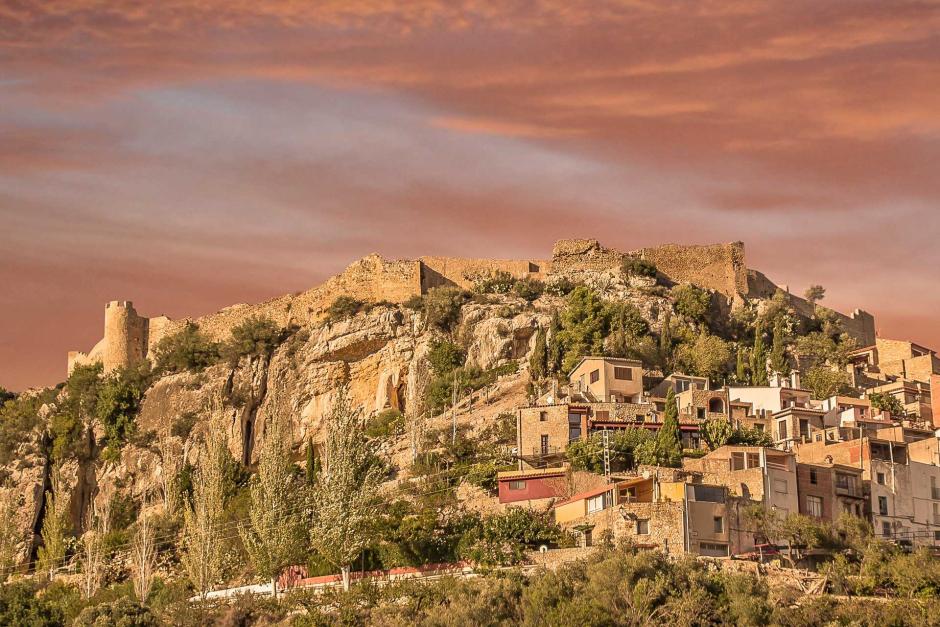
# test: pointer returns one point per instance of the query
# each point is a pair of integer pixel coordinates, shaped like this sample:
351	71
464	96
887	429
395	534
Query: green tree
665	341
71	422
118	400
442	307
826	382
740	370
584	325
717	432
187	349
814	293
887	402
343	307
444	356
668	440
538	362
556	350
778	352
709	356
627	329
272	535
528	288
311	467
692	302
759	359
256	336
343	498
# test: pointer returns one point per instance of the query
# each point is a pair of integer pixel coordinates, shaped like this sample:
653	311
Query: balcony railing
848	490
547	450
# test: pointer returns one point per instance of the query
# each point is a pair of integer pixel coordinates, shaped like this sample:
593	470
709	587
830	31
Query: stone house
675	516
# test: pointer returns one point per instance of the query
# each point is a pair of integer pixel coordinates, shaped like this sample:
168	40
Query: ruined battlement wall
718	267
460	272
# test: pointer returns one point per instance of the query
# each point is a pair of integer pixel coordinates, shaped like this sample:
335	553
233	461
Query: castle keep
129	337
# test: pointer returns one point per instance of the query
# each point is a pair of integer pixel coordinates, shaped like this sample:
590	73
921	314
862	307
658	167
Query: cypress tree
556	351
311	470
778	352
741	367
759	359
665	341
538	363
668	441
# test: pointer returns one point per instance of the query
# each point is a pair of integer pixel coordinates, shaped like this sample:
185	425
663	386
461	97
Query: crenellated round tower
125	335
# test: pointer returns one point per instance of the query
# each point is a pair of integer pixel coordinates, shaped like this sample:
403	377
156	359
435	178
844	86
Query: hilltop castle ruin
129	337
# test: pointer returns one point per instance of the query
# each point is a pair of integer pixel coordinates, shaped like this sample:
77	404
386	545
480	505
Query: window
883	505
517	485
716	406
737	461
708	493
596	503
881	478
780	486
753	460
595	376
712	549
804	428
782	430
886	529
700	413
936	536
624	374
544	444
814	506
642	527
602	415
543	416
719	523
681	386
812	476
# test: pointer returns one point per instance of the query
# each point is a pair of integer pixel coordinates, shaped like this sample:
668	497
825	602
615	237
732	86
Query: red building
532	485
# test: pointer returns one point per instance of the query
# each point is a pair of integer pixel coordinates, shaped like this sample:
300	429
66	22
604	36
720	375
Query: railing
547	450
848	490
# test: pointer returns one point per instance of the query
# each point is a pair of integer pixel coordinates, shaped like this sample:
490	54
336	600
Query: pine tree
778	351
538	363
759	359
668	440
272	536
343	499
203	551
52	552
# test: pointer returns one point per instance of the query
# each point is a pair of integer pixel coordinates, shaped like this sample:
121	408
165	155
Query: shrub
21	605
442	307
256	336
187	349
635	266
20	422
6	395
343	307
444	356
118	401
183	425
502	539
746	436
385	424
560	286
692	302
494	282
122	612
528	288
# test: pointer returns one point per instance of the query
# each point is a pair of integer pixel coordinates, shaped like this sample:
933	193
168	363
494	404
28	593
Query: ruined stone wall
583	254
718	267
457	271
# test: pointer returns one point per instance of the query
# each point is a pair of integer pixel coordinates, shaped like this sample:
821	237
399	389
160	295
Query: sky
189	155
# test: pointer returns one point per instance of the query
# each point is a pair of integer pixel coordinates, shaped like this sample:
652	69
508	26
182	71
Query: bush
444	356
494	282
635	266
343	307
118	401
21	605
560	286
385	424
692	302
442	307
20	422
502	539
187	349
122	612
528	288
256	336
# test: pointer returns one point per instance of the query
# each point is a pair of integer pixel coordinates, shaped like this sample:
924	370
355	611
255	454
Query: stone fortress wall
129	337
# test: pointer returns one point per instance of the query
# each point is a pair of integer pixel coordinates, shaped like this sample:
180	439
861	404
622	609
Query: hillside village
523	413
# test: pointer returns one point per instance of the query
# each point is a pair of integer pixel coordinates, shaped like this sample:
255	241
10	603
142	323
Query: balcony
538	451
849	490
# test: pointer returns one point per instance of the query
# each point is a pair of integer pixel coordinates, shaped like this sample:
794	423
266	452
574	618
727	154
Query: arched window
716	406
